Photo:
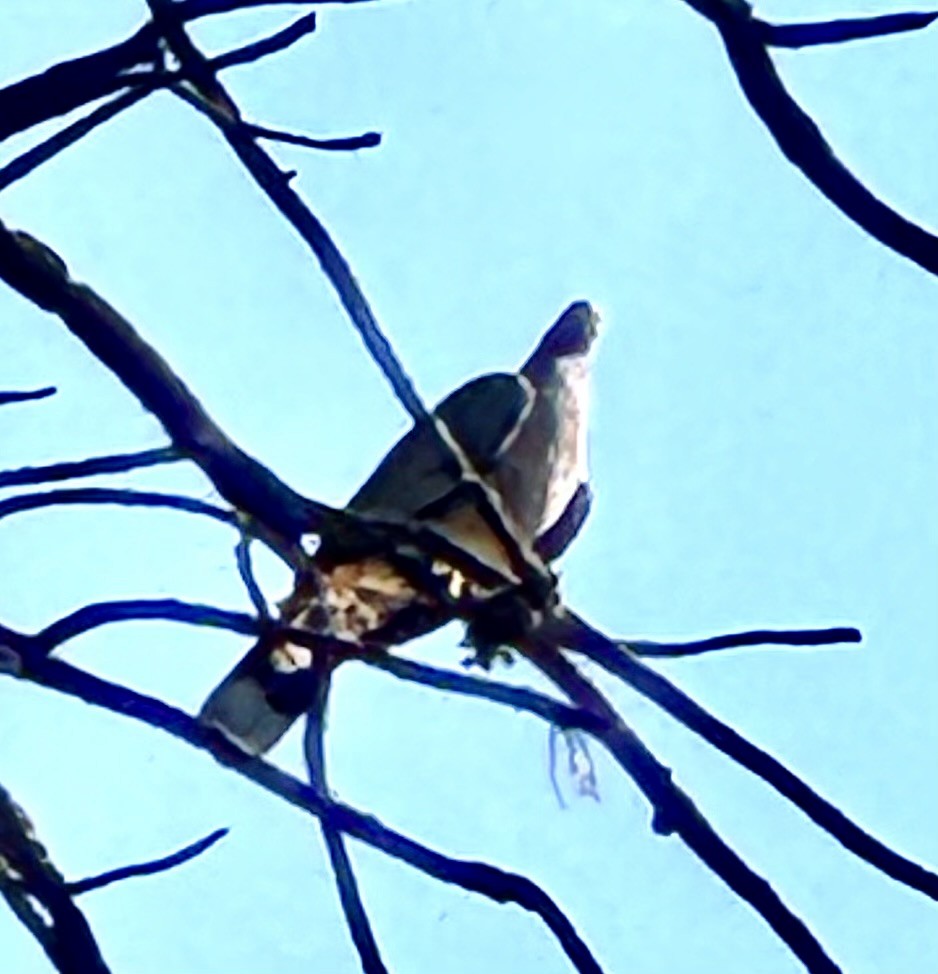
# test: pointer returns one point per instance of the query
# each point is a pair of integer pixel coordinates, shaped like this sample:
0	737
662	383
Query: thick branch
29	880
74	83
40	275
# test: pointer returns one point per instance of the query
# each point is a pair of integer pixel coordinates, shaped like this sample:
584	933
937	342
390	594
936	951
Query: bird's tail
258	701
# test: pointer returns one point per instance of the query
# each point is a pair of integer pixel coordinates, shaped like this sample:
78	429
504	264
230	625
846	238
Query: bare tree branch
39	896
71	84
655	687
352	906
42	277
349	143
495	884
272	44
91	467
33	158
148	868
210	97
105	495
839	31
800	139
675	812
755	637
10	397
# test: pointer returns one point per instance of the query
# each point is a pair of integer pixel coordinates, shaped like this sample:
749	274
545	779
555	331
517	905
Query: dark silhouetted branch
69	470
99	614
30	160
839	31
489	881
212	100
800	139
150	868
71	84
272	44
351	143
355	916
41	276
655	687
246	571
10	397
105	495
675	812
755	637
37	893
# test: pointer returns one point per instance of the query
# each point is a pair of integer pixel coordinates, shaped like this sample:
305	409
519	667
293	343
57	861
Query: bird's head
569	338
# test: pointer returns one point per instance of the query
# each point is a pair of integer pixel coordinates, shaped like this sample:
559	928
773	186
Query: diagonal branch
489	881
675	812
33	158
827	816
210	97
272	44
41	276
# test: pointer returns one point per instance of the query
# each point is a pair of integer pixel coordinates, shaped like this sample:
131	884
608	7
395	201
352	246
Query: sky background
765	453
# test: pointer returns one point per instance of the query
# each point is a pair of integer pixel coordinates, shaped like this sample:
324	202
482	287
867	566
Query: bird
523	433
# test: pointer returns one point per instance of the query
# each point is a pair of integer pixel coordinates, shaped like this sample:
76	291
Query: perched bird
524	433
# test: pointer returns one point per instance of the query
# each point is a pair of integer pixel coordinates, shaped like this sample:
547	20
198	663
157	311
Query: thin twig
839	31
30	160
69	470
595	646
106	495
10	397
755	637
489	881
272	44
246	571
352	906
149	868
350	143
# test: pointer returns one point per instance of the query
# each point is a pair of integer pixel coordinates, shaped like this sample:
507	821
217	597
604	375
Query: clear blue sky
765	452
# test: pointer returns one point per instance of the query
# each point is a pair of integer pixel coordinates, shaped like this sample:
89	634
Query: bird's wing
418	474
